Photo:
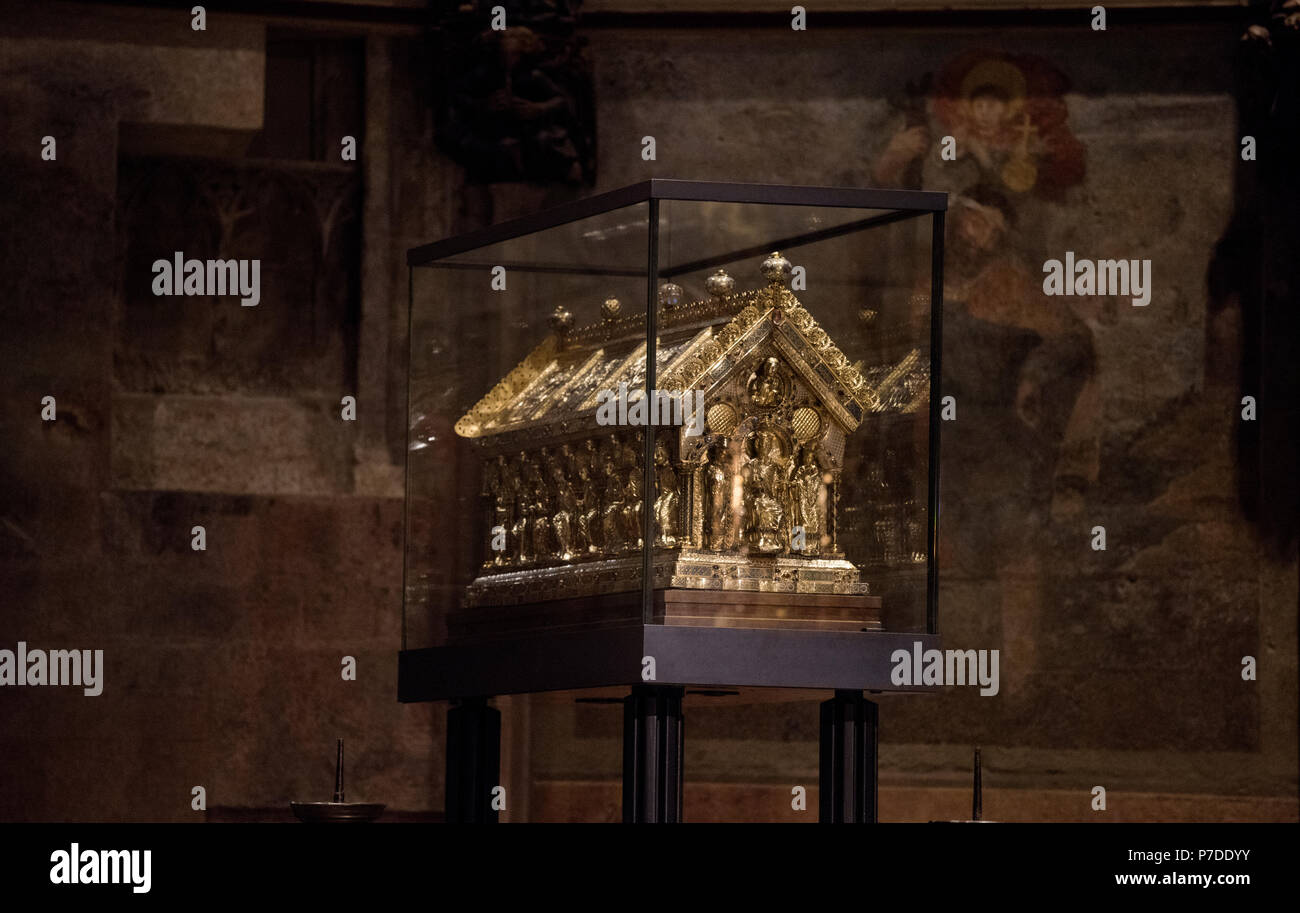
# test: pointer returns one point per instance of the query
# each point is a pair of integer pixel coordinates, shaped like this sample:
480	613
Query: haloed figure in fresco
1019	460
1009	125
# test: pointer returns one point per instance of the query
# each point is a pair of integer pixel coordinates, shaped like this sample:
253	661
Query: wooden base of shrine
676	606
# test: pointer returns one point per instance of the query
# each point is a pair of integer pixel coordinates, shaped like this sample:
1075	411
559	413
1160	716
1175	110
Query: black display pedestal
473	761
685	657
848	780
652	755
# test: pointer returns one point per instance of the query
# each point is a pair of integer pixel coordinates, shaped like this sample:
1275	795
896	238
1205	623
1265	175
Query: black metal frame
651	379
917	202
936	403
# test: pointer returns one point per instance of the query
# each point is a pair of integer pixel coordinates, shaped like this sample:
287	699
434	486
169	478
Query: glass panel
610	243
810	478
522	510
787	434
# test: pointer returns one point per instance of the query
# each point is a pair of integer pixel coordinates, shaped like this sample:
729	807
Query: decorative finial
561	322
720	285
670	295
776	268
609	310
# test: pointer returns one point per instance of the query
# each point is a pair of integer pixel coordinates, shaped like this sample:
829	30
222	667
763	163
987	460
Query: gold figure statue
667	501
496	486
630	451
808	497
768	385
765	492
632	506
566	507
541	510
717	498
589	538
612	518
519	530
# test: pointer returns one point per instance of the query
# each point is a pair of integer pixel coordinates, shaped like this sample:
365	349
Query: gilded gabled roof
560	378
700	343
776	311
508	388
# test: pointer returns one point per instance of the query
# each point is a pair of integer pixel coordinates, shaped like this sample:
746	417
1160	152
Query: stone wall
223	666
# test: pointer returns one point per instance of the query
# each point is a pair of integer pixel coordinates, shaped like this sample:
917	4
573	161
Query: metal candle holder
338	811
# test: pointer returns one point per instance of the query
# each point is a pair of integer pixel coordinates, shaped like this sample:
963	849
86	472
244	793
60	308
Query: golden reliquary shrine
752	410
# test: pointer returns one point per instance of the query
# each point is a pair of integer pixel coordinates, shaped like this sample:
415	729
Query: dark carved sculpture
517	103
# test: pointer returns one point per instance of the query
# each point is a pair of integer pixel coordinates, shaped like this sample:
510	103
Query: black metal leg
849	772
473	761
652	755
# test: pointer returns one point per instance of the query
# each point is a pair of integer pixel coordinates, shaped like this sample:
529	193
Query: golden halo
722	419
999	73
806	424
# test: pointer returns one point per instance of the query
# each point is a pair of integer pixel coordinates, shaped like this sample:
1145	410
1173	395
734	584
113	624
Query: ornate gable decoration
553	391
775	314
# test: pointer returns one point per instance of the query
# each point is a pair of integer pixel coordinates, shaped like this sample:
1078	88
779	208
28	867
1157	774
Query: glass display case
684	421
